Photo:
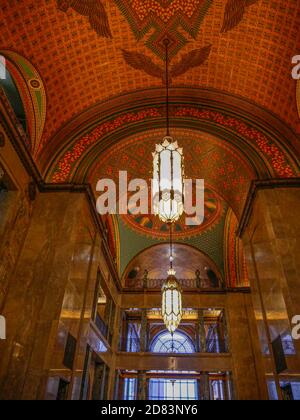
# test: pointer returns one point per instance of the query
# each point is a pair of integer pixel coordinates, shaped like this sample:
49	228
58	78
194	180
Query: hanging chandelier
171	296
168	171
171	303
168	205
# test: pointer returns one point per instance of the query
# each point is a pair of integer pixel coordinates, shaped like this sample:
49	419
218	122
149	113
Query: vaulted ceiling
77	51
95	71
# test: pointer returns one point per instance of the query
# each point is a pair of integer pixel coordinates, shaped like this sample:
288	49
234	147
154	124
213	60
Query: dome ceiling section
187	261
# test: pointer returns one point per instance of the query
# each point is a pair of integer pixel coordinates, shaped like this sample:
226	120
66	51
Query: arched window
164	342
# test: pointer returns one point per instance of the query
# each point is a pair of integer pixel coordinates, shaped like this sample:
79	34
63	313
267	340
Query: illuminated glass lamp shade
171	302
168	184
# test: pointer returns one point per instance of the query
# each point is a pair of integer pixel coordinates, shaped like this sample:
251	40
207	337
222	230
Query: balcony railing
193	283
216	346
212	346
102	327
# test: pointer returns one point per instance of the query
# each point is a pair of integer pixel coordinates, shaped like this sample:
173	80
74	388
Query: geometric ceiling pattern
251	60
164	19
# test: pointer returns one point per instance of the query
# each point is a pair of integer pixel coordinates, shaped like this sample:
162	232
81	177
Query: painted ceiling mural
237	46
93	10
133	241
166	18
154	228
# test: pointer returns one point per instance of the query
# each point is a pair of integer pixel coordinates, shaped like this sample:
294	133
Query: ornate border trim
213	101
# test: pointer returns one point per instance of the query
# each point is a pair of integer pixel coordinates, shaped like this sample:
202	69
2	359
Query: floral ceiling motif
132	155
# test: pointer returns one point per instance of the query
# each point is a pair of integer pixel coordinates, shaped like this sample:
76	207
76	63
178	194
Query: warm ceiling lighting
168	181
168	205
171	308
171	302
168	171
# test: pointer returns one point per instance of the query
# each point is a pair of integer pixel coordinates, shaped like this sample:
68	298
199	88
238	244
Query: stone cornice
257	186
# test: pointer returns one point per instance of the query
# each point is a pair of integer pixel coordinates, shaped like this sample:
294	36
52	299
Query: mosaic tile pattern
252	60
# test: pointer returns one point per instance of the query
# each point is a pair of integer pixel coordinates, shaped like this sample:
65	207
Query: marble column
244	358
144	332
142	393
35	298
204	387
201	333
272	248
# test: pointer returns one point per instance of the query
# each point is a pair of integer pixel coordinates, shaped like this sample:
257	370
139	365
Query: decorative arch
112	229
155	260
33	95
268	143
234	258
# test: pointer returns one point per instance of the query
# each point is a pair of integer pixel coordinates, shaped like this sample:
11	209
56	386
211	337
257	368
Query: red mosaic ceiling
166	18
78	50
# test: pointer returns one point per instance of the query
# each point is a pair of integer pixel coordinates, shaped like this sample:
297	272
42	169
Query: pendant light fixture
168	170
168	205
171	296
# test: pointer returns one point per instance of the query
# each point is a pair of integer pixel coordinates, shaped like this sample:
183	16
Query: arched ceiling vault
187	260
233	100
201	117
140	111
79	51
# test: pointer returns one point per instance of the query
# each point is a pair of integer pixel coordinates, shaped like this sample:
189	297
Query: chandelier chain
171	246
167	42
